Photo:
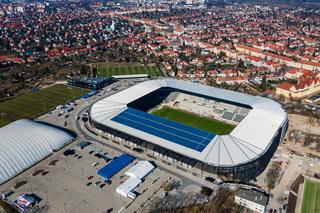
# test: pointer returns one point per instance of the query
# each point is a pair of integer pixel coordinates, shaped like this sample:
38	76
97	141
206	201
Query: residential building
252	199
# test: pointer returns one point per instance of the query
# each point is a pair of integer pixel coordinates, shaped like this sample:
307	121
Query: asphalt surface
185	181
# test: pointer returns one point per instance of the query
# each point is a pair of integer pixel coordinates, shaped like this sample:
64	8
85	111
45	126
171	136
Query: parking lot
70	183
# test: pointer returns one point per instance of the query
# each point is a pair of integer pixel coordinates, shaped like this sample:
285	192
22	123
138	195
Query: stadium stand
210	108
240	155
228	115
238	118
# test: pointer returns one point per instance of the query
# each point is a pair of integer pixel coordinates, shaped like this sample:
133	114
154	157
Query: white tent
140	170
24	143
128	186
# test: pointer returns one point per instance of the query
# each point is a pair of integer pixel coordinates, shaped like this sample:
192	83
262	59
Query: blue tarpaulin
115	166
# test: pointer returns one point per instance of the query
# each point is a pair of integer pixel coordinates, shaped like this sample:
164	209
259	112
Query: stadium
194	126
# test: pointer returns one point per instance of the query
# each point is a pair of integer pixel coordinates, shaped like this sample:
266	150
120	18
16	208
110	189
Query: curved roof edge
26	142
249	140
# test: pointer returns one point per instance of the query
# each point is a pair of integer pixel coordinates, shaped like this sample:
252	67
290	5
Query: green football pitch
33	104
188	118
311	197
107	70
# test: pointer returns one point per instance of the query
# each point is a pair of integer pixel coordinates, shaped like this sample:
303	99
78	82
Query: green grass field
107	70
33	104
188	118
311	197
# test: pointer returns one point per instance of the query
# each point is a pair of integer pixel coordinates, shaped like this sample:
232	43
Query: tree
222	54
273	175
241	64
167	187
264	84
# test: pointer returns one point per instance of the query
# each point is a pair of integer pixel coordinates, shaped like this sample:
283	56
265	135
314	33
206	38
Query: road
85	136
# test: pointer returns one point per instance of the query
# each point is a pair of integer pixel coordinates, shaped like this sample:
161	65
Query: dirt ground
304	123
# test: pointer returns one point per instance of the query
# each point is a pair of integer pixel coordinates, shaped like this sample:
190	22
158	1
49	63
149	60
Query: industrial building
243	154
115	166
91	83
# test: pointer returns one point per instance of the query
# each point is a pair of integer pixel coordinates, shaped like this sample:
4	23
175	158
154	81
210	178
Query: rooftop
249	140
253	195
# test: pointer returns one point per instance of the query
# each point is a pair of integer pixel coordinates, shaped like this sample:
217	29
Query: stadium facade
241	155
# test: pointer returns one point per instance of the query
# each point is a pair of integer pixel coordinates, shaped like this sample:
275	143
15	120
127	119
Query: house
231	80
296	73
308	84
252	199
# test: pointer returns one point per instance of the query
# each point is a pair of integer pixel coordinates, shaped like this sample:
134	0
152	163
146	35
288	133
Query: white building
128	186
252	199
136	174
140	170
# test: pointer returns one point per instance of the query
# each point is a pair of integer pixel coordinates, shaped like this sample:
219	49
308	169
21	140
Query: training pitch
107	71
196	121
311	197
33	104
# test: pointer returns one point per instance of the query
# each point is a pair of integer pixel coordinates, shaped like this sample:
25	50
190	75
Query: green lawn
107	70
33	104
188	118
311	197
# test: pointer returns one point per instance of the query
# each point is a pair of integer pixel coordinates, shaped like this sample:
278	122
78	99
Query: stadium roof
249	140
25	142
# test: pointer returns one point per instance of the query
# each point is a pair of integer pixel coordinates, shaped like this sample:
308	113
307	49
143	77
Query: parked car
108	182
109	210
95	164
210	179
5	195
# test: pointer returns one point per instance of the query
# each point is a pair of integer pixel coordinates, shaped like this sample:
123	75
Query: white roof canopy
140	170
249	140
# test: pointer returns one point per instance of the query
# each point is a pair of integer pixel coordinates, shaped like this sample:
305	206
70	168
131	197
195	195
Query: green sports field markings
311	197
33	104
194	120
108	70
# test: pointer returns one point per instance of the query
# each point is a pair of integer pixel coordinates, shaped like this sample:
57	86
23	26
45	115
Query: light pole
4	95
44	106
65	207
82	173
47	196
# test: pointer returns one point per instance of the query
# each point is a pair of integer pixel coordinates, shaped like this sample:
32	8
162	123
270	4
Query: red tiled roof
285	86
249	48
237	78
252	58
312	63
